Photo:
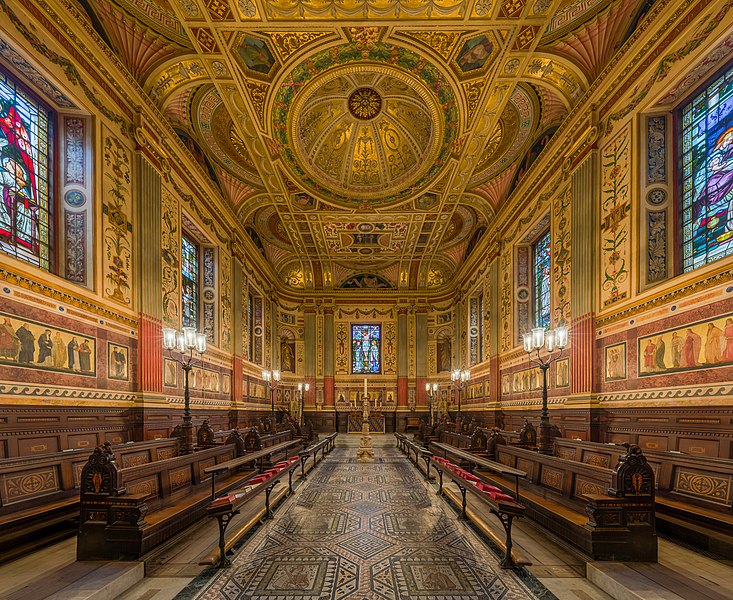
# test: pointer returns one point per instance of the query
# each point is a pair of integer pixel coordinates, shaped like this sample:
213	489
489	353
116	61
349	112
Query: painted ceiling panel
365	143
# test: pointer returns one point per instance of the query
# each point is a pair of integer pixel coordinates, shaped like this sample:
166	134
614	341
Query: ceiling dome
365	134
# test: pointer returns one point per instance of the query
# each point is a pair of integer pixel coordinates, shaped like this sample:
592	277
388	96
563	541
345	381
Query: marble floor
366	530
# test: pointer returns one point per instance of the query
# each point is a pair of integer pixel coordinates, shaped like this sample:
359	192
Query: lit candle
365	386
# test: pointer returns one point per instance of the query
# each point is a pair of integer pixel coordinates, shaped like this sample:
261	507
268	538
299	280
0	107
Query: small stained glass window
366	349
707	174
190	281
541	272
24	175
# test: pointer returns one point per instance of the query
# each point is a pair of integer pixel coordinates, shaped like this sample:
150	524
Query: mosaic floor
365	531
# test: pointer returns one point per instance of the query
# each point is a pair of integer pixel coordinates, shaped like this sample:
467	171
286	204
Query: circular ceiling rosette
363	133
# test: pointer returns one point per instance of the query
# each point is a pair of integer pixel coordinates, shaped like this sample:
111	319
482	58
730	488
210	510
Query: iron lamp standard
302	389
185	341
459	379
431	389
550	340
271	379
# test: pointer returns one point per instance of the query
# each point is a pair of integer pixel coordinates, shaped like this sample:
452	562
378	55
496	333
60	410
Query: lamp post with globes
185	341
302	389
432	390
550	340
271	379
459	379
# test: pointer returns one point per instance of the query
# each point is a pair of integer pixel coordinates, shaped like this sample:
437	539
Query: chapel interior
366	299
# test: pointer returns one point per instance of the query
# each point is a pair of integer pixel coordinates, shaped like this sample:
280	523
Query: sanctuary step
31	579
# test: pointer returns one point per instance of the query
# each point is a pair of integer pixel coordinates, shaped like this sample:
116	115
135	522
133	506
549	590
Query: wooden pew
477	462
225	507
502	505
693	498
250	458
324	447
39	495
125	512
607	513
410	447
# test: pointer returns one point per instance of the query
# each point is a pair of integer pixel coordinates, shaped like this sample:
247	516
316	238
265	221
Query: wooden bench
31	514
225	507
606	513
690	500
410	447
125	512
324	447
502	505
477	462
250	458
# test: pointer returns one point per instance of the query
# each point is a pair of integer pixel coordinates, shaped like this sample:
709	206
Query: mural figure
728	332
85	353
659	356
256	55
287	355
677	344
45	348
9	342
474	54
59	351
691	351
649	354
72	352
27	344
118	363
713	345
444	355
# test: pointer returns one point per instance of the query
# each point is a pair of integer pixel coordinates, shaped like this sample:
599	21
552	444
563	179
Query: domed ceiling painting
365	144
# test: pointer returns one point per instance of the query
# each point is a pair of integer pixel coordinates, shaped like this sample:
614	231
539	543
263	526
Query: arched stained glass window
541	278
190	281
707	174
366	349
24	175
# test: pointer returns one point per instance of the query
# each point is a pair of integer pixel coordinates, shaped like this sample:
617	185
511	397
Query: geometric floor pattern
365	531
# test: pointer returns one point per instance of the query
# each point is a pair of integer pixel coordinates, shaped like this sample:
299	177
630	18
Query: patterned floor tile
365	545
365	531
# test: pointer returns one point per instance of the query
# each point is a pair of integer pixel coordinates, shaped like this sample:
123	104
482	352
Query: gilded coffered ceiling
365	143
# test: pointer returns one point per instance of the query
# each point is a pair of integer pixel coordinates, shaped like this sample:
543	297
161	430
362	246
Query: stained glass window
541	271
366	348
707	174
190	282
24	175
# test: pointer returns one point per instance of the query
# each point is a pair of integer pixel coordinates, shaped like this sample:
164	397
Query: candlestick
365	385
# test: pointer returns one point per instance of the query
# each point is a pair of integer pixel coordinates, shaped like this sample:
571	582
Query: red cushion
500	496
292	459
258	479
485	487
282	465
469	477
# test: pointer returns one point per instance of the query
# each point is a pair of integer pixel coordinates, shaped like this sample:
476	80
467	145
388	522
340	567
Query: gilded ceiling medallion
365	103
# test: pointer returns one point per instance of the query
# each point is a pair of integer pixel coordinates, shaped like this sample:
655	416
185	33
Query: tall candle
365	387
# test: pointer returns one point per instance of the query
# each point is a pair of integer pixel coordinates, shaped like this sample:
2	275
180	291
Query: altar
375	420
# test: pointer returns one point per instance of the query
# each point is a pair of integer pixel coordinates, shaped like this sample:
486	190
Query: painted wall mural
118	362
26	343
561	258
171	252
656	245
615	362
342	348
225	271
117	209
702	345
389	351
616	219
75	246
562	373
